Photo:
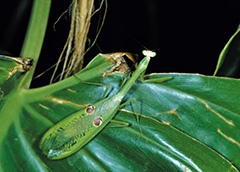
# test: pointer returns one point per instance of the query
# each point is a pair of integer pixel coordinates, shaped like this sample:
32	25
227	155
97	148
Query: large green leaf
189	123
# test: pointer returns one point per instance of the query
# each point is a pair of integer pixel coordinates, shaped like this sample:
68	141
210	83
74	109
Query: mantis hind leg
136	109
125	124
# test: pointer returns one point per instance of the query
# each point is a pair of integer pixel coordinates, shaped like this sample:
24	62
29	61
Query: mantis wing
73	132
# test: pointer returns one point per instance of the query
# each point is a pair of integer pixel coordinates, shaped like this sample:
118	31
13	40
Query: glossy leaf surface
189	123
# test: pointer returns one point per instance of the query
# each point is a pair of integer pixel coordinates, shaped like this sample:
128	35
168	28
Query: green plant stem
35	35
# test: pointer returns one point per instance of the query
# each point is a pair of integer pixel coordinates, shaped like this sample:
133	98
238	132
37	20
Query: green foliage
189	123
228	62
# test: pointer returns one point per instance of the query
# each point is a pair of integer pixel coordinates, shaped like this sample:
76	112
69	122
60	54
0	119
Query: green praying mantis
72	133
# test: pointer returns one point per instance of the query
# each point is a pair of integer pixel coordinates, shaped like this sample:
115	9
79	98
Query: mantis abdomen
72	133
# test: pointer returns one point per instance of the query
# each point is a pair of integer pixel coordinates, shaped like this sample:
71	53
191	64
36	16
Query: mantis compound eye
97	122
90	109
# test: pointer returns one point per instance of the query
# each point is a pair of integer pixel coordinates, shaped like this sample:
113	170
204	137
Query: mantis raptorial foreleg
136	108
72	133
156	80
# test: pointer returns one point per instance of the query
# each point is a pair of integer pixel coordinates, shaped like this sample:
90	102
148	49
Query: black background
187	36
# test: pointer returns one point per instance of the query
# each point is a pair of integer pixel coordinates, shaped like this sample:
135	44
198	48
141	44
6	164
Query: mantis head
149	53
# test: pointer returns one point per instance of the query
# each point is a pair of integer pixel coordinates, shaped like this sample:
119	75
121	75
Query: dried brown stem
74	48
